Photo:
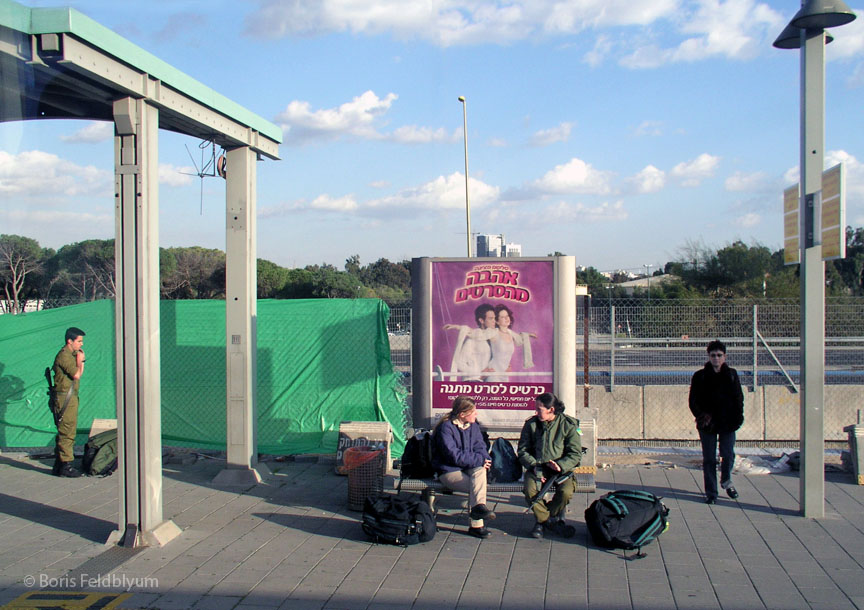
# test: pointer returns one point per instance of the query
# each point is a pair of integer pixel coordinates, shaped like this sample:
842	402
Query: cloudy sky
613	130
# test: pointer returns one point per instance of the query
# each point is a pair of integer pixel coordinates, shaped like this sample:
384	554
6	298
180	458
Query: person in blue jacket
461	458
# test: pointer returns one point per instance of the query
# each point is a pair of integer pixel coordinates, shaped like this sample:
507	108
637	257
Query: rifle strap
60	413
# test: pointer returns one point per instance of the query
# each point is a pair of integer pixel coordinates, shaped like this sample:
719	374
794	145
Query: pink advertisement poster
492	334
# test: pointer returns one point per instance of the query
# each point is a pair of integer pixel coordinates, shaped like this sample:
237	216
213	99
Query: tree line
84	271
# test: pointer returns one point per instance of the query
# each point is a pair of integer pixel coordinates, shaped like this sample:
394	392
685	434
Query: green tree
20	258
595	280
271	279
199	274
299	284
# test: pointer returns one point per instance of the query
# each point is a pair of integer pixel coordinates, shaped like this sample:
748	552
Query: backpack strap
616	505
636	494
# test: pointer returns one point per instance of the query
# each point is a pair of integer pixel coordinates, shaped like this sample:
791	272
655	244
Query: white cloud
173	175
336	204
95	131
734	29
649	128
452	22
412	134
848	40
574	177
32	173
442	193
691	173
648	180
742	181
749	220
602	48
568	212
357	118
544	137
61	219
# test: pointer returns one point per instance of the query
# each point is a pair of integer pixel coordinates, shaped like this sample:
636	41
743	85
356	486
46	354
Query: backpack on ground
505	465
417	457
398	519
100	454
626	519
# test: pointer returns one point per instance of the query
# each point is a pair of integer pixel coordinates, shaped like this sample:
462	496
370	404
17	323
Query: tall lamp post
806	31
465	138
648	277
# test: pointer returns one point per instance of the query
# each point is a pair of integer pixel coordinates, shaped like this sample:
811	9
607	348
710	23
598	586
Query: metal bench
584	477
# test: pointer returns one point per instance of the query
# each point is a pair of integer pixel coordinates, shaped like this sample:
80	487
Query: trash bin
365	466
856	449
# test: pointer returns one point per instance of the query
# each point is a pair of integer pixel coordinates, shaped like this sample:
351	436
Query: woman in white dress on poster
504	343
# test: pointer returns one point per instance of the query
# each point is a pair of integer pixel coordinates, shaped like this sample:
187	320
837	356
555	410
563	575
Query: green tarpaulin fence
320	362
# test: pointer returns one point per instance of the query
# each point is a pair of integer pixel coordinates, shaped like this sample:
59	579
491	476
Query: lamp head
462	98
790	38
821	14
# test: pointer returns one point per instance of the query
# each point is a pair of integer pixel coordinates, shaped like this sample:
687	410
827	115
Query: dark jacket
718	395
556	440
456	449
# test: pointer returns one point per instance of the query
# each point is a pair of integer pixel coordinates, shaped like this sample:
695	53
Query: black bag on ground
417	457
100	454
402	520
626	519
505	465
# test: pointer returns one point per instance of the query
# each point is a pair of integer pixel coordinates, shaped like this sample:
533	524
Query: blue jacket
455	449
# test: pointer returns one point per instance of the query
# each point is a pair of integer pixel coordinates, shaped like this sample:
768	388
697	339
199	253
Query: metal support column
136	192
240	322
565	332
812	477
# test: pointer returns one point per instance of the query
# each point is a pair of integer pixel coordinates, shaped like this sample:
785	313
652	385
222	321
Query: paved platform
292	543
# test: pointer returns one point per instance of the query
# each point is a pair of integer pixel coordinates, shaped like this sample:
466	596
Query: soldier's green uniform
65	367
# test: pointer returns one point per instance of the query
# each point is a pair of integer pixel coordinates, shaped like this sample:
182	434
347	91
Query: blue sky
622	132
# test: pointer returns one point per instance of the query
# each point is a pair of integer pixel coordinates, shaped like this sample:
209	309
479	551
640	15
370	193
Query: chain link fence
641	354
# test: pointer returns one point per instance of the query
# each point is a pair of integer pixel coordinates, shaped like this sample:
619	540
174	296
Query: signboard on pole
833	218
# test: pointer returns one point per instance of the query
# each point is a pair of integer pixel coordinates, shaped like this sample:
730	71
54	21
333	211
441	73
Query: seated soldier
549	446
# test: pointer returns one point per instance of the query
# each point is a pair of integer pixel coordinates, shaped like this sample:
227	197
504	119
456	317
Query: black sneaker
560	528
537	530
479	532
69	471
732	492
711	500
481	512
55	470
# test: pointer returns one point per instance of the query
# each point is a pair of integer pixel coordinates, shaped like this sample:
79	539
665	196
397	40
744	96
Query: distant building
496	246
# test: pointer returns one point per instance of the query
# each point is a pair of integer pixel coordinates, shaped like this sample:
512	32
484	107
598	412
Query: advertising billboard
492	335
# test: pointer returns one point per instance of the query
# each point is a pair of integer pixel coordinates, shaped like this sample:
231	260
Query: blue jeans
709	459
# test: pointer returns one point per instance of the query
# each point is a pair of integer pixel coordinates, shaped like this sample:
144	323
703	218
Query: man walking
68	368
717	402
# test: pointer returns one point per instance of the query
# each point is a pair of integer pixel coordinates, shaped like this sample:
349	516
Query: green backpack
100	454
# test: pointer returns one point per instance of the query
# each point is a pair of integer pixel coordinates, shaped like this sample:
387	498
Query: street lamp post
648	277
806	31
465	138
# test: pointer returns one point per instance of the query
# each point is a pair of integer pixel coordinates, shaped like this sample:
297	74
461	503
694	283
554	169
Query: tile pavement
292	543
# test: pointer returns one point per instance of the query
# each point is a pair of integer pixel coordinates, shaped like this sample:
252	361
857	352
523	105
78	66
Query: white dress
502	353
